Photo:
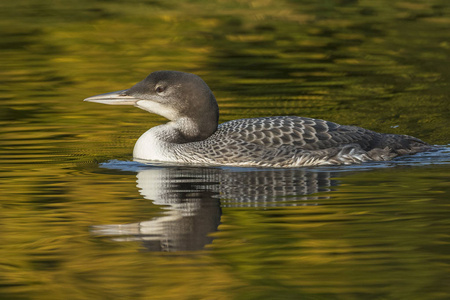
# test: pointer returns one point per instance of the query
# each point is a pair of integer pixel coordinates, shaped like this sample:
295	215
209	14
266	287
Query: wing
294	141
300	132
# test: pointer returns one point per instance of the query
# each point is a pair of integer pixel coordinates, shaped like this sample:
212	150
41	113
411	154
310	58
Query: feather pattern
293	141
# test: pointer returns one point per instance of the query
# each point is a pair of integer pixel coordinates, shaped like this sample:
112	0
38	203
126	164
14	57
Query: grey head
183	98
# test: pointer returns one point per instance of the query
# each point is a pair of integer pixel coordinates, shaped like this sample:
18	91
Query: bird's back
296	141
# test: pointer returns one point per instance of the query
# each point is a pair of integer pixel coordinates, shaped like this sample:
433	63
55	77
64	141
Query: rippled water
80	220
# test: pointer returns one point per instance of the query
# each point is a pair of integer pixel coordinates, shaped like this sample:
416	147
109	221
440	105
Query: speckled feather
294	141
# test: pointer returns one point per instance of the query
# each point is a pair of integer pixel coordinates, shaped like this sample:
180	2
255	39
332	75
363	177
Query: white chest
150	147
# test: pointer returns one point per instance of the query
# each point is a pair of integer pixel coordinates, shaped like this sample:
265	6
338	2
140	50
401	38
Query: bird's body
193	136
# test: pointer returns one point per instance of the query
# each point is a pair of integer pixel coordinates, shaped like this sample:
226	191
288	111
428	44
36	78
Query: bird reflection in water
192	199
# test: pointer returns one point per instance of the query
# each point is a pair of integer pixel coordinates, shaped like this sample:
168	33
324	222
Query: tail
393	145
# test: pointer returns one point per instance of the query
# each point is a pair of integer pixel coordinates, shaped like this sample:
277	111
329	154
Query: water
81	220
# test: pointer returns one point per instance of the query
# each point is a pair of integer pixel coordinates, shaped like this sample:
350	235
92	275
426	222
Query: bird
193	135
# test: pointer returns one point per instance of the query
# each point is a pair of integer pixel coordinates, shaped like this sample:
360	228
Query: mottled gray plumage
295	141
192	135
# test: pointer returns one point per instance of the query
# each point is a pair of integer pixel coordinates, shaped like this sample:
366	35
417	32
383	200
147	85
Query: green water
80	220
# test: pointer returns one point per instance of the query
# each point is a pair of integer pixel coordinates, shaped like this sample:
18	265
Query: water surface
81	220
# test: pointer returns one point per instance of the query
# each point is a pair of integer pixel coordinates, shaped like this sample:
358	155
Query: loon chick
193	135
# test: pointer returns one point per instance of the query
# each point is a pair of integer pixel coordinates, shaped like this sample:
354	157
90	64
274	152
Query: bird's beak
114	98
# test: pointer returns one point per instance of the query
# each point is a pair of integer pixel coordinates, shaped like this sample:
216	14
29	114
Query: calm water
80	220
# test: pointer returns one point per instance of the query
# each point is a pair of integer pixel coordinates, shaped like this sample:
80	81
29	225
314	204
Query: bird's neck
185	130
181	131
160	142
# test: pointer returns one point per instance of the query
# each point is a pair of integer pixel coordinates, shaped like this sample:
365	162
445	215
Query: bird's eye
159	89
